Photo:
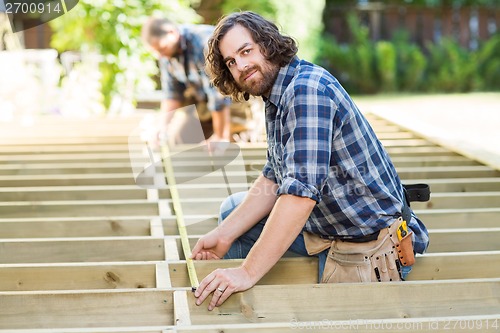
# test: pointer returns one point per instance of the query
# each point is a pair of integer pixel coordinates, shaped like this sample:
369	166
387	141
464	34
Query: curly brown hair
275	47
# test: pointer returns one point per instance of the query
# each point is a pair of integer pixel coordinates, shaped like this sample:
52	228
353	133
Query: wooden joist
83	248
261	304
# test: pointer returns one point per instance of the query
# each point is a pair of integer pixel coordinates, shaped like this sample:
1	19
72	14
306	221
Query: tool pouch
405	250
362	262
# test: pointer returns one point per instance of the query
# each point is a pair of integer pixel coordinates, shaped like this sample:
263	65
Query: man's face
251	71
168	44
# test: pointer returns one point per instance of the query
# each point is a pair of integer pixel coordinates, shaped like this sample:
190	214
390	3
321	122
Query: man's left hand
223	283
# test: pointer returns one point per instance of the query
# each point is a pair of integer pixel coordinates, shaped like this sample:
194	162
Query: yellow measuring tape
64	6
169	172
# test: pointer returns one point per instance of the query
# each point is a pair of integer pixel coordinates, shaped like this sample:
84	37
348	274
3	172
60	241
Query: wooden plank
261	304
181	308
36	310
456	265
460	218
72	149
75	227
399	162
297	270
90	157
448	172
67	180
162	276
156	227
462	184
288	271
464	240
68	168
410	299
81	250
77	208
46	193
78	276
460	200
476	323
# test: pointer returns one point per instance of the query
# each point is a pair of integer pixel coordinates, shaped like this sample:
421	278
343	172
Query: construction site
85	249
97	225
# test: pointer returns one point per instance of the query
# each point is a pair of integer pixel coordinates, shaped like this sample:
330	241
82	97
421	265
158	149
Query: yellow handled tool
402	230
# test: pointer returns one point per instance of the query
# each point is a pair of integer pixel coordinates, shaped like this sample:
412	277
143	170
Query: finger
225	295
211	287
219	291
196	249
201	292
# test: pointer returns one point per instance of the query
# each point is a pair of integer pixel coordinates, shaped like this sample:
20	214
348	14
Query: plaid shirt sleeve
306	140
172	89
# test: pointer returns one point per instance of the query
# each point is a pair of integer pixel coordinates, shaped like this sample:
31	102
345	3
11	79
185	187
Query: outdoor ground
467	123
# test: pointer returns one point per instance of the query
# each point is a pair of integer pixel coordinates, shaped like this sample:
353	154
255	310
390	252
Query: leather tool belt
378	260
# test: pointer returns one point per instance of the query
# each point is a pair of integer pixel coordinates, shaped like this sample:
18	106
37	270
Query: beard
259	86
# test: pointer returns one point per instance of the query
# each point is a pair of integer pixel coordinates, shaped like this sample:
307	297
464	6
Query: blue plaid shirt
187	70
321	147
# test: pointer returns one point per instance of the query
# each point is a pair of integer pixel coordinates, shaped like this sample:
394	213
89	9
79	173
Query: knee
229	204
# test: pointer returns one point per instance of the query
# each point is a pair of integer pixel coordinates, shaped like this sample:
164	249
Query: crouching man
328	189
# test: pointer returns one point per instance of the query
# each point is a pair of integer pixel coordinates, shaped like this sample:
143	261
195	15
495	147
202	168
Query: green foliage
488	63
353	64
265	8
298	19
411	63
365	67
112	28
451	68
386	65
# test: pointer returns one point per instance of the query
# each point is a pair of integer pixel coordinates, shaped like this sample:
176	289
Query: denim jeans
241	247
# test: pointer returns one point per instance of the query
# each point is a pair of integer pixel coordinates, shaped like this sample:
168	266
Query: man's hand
223	283
210	246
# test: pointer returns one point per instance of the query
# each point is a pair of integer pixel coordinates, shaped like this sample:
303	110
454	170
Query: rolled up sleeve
307	133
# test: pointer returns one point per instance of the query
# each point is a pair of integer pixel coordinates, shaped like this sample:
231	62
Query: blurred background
90	61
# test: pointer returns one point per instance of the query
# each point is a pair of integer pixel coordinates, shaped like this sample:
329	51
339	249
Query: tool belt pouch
362	262
405	250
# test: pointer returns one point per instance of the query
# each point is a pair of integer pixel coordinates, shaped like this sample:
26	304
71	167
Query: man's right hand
211	246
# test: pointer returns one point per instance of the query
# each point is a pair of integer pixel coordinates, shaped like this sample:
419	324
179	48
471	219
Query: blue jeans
241	247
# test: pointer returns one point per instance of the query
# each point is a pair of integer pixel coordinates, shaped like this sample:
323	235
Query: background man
180	49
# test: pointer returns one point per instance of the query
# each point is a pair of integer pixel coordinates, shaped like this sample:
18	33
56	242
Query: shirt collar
283	79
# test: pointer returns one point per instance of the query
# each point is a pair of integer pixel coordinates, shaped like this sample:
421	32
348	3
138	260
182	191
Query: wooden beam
82	250
298	270
462	184
77	208
182	315
67	180
410	299
460	218
259	305
162	276
81	276
434	324
460	200
67	168
464	240
55	193
67	309
151	248
105	226
456	265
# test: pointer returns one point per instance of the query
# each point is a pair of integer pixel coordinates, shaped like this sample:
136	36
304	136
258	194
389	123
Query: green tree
301	20
112	28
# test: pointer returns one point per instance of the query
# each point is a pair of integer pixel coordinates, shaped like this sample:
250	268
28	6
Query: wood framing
83	248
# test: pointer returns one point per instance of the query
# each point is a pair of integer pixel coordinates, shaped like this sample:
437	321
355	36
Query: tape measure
65	9
402	230
174	194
